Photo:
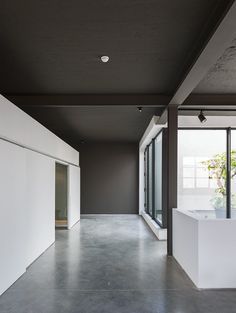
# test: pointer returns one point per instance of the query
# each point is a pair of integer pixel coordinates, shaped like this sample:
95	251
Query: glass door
145	179
150	181
158	208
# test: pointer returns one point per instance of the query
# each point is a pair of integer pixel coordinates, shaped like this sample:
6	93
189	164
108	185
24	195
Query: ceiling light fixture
105	58
140	109
202	117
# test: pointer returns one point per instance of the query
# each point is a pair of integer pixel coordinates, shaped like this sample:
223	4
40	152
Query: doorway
61	201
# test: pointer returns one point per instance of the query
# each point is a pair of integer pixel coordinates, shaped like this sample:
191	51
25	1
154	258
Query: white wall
217	253
205	248
12	214
28	152
19	127
74	195
40	201
185	243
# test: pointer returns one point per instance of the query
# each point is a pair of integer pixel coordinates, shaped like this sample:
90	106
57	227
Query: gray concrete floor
110	265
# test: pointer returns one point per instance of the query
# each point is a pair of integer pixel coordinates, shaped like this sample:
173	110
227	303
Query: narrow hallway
109	264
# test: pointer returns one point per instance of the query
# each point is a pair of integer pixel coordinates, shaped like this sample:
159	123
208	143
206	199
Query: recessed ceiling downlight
105	58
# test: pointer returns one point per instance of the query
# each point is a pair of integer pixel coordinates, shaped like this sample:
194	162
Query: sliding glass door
145	179
154	204
158	210
206	173
150	180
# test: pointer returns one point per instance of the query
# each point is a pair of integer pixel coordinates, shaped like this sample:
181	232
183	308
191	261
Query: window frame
228	161
146	190
164	207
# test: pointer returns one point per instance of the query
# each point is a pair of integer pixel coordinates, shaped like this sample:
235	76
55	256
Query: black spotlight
202	117
140	109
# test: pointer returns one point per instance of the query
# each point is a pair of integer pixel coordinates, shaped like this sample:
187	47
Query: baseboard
111	215
71	226
161	233
11	282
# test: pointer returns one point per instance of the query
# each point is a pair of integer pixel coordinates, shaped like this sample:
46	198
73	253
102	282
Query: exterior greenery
217	170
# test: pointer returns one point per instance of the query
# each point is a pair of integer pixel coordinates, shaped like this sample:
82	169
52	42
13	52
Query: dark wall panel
109	178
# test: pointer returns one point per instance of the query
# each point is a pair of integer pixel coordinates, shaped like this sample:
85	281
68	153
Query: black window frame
162	223
164	131
228	161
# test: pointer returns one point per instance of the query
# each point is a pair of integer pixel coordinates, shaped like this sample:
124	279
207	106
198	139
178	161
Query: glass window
158	178
145	178
154	185
202	171
150	181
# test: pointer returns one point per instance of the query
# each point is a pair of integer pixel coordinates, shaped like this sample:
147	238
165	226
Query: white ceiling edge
152	130
186	122
212	121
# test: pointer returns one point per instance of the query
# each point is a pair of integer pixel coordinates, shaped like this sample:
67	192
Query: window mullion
228	175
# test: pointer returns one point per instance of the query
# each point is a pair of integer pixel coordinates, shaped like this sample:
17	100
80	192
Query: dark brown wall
109	178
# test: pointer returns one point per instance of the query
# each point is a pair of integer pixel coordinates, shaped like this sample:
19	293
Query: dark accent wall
109	178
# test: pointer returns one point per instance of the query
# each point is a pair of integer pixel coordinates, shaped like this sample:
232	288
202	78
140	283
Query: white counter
205	248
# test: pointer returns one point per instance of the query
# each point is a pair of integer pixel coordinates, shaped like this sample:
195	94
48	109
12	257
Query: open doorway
61	201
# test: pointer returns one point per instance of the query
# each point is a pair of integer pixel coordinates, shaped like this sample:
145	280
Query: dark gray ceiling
114	123
221	79
53	48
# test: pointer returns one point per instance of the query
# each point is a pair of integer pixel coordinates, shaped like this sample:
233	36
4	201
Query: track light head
140	109
202	117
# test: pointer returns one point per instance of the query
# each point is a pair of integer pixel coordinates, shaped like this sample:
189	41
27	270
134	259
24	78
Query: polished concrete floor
110	265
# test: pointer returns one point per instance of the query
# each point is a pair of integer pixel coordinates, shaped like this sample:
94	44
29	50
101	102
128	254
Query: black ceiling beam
56	101
211	50
161	101
210	100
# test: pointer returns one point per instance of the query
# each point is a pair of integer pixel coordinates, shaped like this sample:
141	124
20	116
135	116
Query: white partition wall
28	153
205	248
185	243
74	195
19	127
12	214
40	200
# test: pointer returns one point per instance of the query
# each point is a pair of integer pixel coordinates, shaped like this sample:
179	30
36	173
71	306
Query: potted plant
217	170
